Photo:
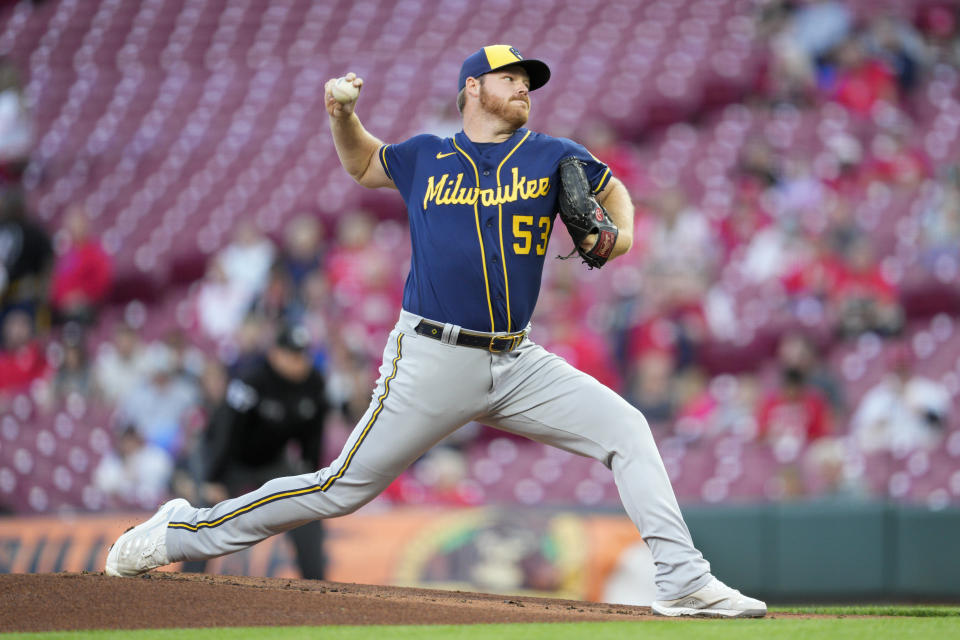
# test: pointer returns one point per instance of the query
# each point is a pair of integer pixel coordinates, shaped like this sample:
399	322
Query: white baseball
344	91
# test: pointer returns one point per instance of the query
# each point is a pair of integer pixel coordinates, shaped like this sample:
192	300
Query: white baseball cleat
143	547
715	600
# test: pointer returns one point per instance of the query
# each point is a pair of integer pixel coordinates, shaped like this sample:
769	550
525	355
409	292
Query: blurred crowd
720	323
163	392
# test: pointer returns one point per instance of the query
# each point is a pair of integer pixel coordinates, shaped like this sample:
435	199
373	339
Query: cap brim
538	71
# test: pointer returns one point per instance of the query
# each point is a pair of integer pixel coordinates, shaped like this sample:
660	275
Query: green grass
930	622
918	611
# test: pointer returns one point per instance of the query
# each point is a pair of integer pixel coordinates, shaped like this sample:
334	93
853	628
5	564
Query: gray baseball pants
427	389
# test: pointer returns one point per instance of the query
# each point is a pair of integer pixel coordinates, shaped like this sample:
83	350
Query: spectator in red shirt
793	415
861	82
815	274
82	272
863	298
23	359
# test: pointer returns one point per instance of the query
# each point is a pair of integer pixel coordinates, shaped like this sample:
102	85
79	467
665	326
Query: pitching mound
74	601
67	601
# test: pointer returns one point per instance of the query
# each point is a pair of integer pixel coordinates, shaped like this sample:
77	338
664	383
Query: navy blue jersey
480	220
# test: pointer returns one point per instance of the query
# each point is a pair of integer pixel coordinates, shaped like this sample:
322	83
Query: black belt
487	341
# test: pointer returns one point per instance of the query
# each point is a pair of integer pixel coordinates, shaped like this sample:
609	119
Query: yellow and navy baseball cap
497	56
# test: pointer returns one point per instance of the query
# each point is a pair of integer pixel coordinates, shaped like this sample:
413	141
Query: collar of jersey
496	152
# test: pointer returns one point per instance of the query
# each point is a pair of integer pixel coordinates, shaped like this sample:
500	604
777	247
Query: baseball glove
583	215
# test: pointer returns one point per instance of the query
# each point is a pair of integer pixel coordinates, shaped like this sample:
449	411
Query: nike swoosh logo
444	155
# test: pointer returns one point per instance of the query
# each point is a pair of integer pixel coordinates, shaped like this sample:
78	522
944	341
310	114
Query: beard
510	111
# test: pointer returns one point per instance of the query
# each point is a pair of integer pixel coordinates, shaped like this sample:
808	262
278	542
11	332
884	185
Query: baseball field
163	605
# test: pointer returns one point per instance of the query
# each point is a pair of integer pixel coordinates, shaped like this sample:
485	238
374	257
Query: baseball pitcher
481	207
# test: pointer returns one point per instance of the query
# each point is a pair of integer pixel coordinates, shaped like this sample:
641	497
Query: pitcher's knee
345	505
633	439
345	495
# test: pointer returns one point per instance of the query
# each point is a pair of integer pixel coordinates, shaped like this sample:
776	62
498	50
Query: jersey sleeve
598	173
399	161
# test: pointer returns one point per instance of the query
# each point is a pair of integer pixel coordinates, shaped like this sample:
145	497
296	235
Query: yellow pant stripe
242	510
373	418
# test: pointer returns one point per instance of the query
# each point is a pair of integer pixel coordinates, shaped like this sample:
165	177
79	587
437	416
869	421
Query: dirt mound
67	601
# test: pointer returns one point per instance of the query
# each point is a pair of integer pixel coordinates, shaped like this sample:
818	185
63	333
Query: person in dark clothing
275	402
26	255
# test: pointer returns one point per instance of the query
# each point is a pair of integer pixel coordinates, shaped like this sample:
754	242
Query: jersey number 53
523	230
